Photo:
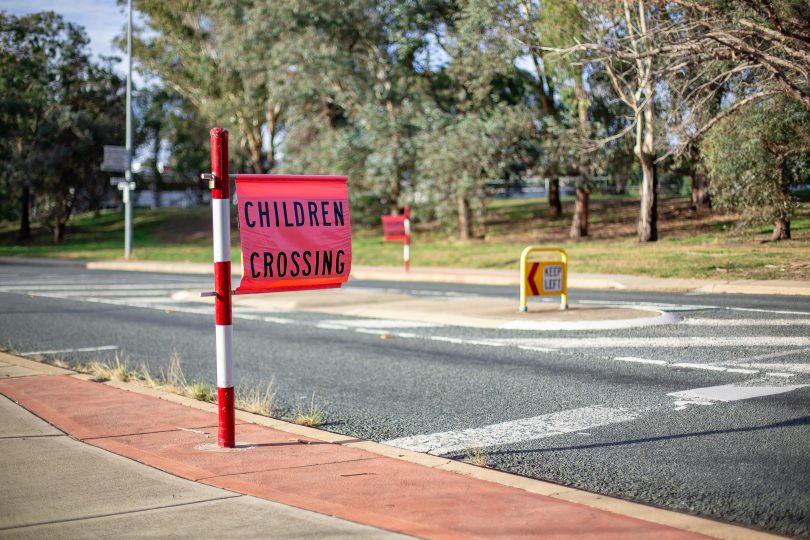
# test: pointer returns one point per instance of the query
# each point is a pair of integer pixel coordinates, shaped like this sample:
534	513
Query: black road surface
589	409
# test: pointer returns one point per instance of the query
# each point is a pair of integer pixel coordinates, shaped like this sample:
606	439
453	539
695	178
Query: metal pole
406	245
128	179
220	207
127	219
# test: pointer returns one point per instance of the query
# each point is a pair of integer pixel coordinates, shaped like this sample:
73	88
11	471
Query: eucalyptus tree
360	65
513	33
57	110
756	156
460	154
29	49
504	35
620	39
203	50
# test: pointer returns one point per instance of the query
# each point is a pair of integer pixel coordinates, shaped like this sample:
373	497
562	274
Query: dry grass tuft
118	369
256	399
200	390
312	416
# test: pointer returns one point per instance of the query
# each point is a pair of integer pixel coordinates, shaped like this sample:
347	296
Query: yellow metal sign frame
529	271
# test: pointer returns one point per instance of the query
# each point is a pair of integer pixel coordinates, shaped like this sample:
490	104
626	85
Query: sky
101	19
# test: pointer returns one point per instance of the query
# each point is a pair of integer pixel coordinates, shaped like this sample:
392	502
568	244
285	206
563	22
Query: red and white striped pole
406	245
221	208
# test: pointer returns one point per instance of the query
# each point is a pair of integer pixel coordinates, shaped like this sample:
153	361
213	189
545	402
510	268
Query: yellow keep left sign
543	272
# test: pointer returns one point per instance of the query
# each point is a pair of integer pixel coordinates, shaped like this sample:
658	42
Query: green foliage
57	111
756	156
459	155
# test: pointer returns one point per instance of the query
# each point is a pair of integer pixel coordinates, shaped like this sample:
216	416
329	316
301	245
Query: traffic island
475	312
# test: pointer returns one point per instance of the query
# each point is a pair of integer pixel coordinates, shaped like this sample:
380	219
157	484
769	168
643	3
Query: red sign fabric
393	228
295	232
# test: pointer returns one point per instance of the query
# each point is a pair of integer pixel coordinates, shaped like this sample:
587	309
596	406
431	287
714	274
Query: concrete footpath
469	276
80	458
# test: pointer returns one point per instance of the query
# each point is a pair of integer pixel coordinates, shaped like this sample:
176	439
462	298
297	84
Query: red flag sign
295	232
394	228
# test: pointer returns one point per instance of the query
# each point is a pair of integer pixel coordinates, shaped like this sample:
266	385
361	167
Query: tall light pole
128	177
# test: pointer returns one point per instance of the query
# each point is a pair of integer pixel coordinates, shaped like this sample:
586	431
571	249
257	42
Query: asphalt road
709	416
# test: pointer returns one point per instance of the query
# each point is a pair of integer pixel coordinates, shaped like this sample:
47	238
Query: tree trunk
155	171
58	232
579	225
554	204
781	224
25	215
272	129
645	151
781	230
464	218
253	138
648	215
701	200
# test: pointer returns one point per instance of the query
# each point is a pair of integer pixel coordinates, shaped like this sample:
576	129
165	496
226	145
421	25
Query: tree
459	154
155	107
203	51
28	45
520	29
755	157
621	42
58	109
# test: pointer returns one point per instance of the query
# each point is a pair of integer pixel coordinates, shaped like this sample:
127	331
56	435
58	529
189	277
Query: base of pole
564	306
226	436
523	309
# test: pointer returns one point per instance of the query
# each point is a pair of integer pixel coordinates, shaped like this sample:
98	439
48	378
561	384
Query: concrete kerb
622	507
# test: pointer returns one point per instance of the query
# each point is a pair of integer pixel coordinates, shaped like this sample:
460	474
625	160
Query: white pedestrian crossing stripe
515	431
575	420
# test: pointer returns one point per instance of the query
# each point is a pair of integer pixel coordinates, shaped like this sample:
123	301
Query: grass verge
691	245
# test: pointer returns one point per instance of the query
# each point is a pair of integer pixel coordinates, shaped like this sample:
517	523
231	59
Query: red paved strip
328	478
180	452
87	410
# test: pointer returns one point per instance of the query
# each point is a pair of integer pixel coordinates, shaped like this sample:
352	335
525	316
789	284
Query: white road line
745	322
640	360
685	365
538	349
770	355
725	393
167	306
124	294
89	287
82	349
327	326
707	367
380	323
460	341
516	431
656	342
778	312
649	305
656	318
573	420
795	368
375	331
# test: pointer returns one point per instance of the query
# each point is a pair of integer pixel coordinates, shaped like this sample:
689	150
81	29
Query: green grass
704	245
